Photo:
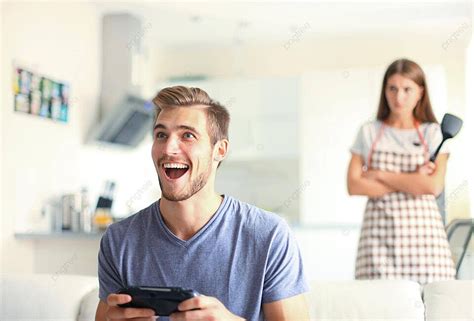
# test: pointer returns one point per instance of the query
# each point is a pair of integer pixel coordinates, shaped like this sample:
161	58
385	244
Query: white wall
34	148
42	158
470	112
1	145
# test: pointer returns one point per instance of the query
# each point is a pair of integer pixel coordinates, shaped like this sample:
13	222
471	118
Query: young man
242	260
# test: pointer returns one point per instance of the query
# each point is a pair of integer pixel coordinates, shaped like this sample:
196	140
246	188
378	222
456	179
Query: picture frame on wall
38	95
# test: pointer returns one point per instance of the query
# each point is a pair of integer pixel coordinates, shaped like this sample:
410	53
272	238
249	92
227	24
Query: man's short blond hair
218	117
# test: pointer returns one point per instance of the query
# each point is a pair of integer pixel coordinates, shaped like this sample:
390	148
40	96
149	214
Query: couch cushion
449	300
89	306
43	296
393	300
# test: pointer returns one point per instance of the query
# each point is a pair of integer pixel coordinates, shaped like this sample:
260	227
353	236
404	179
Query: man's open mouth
175	170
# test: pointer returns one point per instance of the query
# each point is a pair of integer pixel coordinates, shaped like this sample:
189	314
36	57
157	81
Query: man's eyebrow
188	128
161	126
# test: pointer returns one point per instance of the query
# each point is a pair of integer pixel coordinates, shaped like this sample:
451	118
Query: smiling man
242	260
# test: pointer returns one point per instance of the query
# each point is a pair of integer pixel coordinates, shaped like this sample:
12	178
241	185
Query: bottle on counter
70	204
103	211
86	211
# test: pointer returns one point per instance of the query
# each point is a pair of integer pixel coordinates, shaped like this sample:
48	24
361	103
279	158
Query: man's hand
114	312
203	308
427	169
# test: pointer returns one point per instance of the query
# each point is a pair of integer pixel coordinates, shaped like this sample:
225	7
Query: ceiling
228	23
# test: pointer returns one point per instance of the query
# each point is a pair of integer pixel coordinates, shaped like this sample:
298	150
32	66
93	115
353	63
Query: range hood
124	116
128	124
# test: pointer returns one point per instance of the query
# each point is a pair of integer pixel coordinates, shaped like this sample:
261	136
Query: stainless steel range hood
128	124
124	116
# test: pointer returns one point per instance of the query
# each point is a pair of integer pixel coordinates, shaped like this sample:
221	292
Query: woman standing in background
402	234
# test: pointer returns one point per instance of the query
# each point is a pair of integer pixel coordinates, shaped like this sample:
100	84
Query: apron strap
423	141
379	135
377	138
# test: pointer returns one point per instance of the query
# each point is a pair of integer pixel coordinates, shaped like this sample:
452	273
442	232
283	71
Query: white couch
74	298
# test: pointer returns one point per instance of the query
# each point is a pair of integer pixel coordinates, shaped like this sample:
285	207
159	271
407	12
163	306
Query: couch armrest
393	300
44	296
89	306
449	300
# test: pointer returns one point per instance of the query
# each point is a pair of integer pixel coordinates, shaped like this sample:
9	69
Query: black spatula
450	126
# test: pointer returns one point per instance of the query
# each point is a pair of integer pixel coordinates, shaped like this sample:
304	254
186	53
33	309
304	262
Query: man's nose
172	145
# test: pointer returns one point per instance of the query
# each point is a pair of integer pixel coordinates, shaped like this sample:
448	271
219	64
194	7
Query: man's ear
220	150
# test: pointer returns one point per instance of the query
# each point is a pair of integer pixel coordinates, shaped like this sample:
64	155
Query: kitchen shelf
98	235
63	235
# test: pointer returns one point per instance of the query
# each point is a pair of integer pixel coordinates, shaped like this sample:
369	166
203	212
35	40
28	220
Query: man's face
182	151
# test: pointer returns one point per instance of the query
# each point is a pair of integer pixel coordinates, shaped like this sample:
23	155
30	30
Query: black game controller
163	300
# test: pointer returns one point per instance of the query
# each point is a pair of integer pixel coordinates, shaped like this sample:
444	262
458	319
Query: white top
398	140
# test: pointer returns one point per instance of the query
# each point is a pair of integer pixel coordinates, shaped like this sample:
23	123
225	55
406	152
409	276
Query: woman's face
402	95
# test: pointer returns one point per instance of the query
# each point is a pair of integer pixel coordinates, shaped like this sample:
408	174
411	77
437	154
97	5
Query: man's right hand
111	311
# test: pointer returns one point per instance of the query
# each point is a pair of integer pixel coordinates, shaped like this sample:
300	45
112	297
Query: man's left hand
203	308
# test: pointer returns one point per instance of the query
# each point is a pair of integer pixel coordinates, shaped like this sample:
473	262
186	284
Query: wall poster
38	95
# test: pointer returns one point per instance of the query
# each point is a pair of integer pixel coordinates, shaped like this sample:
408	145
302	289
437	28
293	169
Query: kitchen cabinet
264	115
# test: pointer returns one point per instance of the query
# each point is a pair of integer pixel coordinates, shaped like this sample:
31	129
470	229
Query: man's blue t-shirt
243	256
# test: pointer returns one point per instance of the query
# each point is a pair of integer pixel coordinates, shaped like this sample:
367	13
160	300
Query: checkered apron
402	235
